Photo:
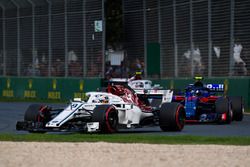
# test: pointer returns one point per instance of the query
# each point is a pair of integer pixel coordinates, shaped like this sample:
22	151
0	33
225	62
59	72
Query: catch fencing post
159	32
33	37
231	64
175	42
191	37
4	39
84	38
49	36
103	37
209	41
18	38
145	37
66	38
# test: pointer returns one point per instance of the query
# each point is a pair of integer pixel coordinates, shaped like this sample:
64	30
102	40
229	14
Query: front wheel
37	113
172	117
107	116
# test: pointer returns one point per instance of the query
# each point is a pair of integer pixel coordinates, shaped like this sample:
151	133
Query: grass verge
126	138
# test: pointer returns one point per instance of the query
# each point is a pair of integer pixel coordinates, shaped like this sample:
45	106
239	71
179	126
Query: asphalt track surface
11	112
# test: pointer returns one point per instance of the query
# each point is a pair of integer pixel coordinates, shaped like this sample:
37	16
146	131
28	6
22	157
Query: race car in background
104	112
202	102
139	84
208	103
135	82
154	93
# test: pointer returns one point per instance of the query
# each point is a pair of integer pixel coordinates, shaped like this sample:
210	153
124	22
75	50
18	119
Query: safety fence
51	38
196	37
162	38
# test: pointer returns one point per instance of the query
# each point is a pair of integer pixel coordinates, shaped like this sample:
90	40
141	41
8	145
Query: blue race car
203	104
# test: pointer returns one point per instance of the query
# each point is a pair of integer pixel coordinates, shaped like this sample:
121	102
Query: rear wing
150	91
118	81
114	81
215	87
165	95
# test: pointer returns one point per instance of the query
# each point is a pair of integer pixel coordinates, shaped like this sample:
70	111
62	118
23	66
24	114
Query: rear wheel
224	110
172	117
238	108
107	116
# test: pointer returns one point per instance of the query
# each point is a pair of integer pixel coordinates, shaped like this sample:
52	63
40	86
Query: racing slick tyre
36	113
224	110
107	116
172	117
238	107
32	112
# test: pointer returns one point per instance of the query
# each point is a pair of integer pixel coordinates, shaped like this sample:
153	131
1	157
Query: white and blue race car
104	112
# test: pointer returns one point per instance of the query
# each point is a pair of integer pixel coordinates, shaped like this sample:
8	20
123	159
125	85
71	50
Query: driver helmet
104	99
198	81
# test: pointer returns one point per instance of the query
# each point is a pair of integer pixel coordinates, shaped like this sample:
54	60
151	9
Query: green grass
126	138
